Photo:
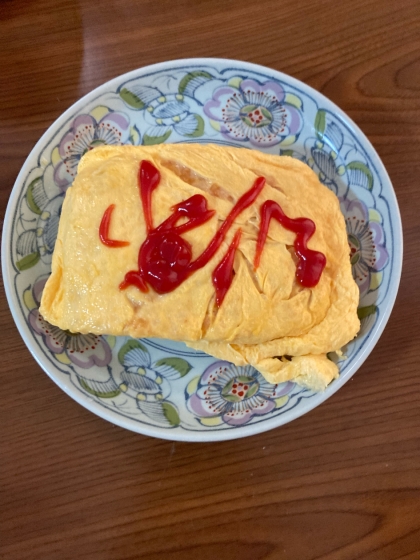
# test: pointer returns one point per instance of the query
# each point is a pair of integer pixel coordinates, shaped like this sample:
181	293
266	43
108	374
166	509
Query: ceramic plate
157	387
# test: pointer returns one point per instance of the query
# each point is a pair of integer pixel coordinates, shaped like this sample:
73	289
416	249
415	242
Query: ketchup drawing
165	258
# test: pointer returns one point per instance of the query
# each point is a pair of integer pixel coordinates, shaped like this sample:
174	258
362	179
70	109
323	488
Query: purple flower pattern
254	112
235	394
83	350
85	134
366	241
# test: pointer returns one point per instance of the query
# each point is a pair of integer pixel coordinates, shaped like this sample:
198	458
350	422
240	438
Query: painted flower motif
235	394
147	381
47	228
83	350
366	237
326	157
327	163
139	378
85	134
259	113
172	114
165	114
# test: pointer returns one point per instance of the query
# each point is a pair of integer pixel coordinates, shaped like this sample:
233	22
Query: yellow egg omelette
266	318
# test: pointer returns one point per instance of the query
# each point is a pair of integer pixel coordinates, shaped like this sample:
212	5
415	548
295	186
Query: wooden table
342	482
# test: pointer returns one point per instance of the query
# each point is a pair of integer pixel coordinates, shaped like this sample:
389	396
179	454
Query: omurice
238	253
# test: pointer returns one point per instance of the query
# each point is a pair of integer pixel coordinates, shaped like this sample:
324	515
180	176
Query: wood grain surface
342	482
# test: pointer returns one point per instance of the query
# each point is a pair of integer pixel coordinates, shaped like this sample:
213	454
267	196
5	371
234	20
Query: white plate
156	387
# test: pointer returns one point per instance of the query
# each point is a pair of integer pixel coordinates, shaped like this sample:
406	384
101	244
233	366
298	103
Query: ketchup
165	258
223	273
148	180
104	230
310	263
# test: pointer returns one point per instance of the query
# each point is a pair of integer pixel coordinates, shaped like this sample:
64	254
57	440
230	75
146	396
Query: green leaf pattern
133	352
364	312
173	367
131	99
36	197
28	262
101	389
157	135
320	123
360	174
191	81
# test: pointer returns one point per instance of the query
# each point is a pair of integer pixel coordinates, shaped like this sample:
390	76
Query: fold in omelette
267	318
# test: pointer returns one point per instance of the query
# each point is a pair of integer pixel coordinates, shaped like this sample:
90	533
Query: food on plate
241	254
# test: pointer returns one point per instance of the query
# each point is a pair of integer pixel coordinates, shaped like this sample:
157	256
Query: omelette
237	253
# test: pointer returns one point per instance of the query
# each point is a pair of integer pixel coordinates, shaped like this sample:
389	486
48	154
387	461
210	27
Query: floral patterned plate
162	388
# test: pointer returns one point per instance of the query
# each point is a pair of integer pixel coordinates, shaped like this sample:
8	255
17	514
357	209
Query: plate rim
213	435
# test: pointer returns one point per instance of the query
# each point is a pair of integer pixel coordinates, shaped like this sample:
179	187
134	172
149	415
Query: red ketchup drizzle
104	230
164	260
223	274
310	263
149	179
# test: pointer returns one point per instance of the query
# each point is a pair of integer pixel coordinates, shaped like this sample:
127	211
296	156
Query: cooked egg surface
266	314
